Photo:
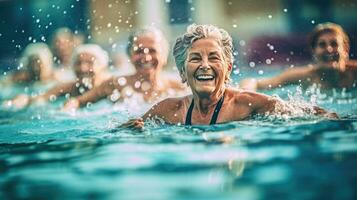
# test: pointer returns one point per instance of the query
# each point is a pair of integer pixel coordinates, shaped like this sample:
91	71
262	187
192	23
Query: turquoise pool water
46	154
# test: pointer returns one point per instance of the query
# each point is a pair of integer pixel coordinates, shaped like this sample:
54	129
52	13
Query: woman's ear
230	67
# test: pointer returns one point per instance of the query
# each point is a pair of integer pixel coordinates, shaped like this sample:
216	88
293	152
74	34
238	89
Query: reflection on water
48	154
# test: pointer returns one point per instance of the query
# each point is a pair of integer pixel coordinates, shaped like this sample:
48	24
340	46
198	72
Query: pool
46	154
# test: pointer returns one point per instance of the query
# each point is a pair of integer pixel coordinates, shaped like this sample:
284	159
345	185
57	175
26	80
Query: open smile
330	57
205	77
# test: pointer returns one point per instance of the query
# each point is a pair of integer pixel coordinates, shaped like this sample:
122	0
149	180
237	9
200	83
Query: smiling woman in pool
204	58
331	68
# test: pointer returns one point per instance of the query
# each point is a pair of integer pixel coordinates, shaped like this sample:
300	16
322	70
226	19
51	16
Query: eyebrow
199	54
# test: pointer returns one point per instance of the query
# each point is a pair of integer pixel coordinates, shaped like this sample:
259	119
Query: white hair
157	33
42	51
101	55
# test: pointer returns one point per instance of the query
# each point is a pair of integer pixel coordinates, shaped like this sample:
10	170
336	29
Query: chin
204	90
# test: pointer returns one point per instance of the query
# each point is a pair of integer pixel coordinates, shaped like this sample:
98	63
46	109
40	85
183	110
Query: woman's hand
71	105
19	102
134	124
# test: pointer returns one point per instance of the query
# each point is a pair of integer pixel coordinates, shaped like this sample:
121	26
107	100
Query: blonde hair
329	27
42	51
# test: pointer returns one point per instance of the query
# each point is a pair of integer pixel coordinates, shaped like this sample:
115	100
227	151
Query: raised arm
290	76
92	96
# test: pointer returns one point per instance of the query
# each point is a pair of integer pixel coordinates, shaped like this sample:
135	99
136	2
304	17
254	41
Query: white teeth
204	77
147	65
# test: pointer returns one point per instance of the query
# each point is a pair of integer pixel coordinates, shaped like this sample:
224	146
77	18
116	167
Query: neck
206	102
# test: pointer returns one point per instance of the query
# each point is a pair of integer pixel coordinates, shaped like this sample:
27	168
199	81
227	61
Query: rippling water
46	154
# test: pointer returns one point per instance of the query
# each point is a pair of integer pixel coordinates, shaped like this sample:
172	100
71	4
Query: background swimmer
148	52
89	62
331	67
204	58
35	65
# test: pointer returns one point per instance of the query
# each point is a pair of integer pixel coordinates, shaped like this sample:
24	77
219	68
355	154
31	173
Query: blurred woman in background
35	66
89	62
331	67
148	52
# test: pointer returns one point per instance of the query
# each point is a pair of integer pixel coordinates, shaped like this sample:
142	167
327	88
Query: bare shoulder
245	95
169	105
257	102
170	110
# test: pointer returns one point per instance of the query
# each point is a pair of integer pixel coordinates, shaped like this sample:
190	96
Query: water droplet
268	61
312	21
252	64
242	43
234	25
260	72
137	84
285	10
270	16
122	81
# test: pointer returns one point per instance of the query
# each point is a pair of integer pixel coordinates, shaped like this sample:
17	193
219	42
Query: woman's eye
214	58
194	59
322	44
334	44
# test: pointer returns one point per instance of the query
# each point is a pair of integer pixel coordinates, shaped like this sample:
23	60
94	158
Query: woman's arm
92	96
290	76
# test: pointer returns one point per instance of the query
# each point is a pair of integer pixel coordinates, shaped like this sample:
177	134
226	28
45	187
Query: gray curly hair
195	32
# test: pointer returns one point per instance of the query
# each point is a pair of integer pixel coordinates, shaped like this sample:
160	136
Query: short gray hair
101	56
145	31
195	32
43	52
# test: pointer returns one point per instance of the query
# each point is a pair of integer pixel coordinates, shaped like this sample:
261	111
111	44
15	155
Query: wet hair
195	32
42	52
147	31
101	55
328	27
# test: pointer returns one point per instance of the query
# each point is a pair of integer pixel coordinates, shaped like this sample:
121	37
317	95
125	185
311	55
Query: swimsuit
214	116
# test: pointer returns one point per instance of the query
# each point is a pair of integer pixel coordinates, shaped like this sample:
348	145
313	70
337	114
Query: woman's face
330	51
84	66
146	54
205	67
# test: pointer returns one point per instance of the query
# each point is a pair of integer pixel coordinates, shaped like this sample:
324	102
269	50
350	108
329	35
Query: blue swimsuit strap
214	116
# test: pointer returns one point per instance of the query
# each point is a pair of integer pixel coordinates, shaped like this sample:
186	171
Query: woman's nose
148	57
329	48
